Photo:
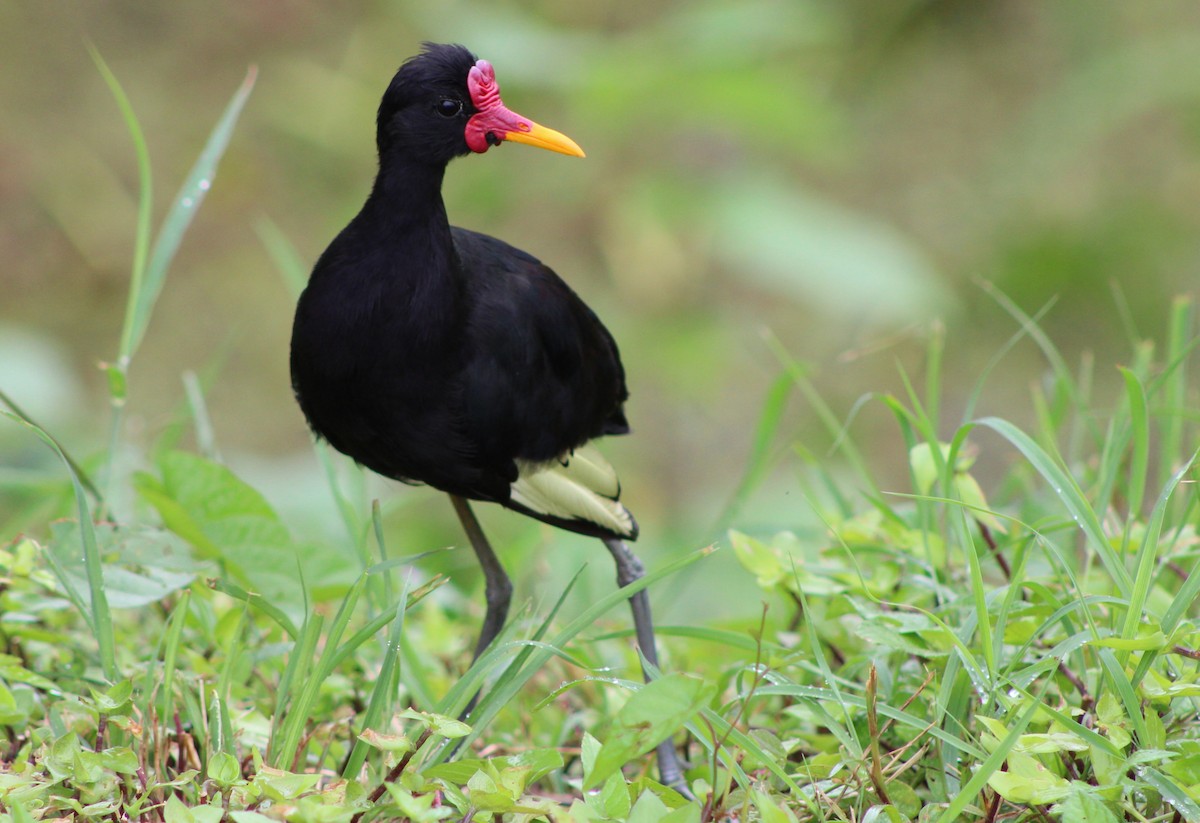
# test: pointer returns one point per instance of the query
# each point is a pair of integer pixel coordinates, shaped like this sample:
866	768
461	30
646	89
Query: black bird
437	355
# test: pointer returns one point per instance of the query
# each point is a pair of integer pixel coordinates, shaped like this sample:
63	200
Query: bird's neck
414	262
409	195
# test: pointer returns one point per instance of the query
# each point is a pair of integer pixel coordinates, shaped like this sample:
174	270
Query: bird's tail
579	492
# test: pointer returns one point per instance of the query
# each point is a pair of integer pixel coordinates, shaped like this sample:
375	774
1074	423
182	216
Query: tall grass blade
283	737
1070	494
1147	567
1174	390
283	254
171	654
1139	415
183	209
98	612
759	462
383	693
141	247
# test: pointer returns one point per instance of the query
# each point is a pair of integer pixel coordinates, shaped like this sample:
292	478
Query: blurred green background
838	174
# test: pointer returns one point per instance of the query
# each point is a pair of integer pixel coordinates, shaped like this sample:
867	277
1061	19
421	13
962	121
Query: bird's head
444	103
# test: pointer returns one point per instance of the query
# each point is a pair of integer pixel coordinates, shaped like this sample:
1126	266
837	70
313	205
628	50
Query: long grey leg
629	569
497	587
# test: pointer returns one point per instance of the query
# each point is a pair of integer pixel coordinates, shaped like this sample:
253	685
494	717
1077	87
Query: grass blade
283	254
141	246
1070	494
179	218
98	613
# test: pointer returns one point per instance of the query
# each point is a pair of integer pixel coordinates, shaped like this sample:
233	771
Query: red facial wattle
494	122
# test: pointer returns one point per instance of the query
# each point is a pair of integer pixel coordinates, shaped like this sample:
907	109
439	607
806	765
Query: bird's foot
670	770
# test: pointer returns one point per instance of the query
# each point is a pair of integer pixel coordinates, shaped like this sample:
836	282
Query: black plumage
436	355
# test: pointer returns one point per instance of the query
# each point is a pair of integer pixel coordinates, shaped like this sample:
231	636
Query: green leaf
176	811
491	792
280	785
1084	806
652	714
1028	781
418	808
438	724
224	769
251	817
758	559
208	813
969	492
119	759
884	814
924	467
229	521
612	801
771	810
386	742
142	565
537	763
648	809
115	699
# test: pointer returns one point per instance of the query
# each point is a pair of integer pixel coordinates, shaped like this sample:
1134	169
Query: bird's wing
582	489
543	378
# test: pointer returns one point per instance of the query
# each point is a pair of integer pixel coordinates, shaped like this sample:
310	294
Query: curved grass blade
183	209
283	254
761	457
383	693
1068	491
75	467
141	247
1138	420
257	602
98	612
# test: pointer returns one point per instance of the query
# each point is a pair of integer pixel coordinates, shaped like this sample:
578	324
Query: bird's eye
449	107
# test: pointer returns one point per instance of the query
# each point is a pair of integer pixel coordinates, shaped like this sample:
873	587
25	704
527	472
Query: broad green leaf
770	809
1028	781
142	565
758	559
420	807
969	492
490	792
536	762
653	713
176	811
1084	806
439	724
224	769
923	466
884	814
386	742
119	759
251	817
227	520
612	801
1111	720
280	785
648	809
115	699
